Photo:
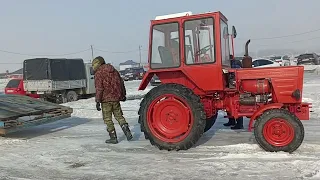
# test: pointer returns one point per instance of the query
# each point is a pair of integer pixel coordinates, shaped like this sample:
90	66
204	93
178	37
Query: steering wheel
204	50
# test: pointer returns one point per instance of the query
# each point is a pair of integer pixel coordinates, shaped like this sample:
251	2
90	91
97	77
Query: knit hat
97	62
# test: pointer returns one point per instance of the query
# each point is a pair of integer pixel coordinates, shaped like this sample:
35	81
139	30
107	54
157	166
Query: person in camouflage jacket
110	90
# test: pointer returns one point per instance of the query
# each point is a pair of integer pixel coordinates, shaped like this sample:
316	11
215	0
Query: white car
261	63
282	60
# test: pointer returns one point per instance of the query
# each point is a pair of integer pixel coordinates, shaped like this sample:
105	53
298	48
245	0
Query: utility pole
140	55
91	52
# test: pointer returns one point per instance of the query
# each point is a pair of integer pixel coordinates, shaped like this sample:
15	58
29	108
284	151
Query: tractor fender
145	81
261	110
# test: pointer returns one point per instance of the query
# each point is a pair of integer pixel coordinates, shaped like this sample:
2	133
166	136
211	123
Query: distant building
128	64
15	74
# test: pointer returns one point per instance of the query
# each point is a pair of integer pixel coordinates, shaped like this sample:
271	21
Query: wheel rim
278	132
170	118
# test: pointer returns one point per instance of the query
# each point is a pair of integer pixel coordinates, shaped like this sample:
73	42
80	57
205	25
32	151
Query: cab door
201	52
90	79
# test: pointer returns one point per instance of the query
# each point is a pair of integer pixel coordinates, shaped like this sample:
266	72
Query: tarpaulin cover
53	69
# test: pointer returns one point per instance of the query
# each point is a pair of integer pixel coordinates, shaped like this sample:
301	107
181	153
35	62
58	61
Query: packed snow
74	148
3	84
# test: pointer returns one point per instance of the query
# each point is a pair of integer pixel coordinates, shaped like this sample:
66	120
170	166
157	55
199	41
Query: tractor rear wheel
172	117
278	130
210	122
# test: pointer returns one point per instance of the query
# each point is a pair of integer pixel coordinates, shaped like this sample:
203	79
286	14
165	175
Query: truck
58	80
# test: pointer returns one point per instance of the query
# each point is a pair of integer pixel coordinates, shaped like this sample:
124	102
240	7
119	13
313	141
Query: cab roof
182	14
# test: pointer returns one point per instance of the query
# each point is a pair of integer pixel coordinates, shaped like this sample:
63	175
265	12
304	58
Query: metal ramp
19	112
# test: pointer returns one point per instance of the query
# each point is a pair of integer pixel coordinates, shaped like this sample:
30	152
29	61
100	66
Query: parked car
58	80
282	60
155	81
308	58
15	86
122	74
261	63
135	73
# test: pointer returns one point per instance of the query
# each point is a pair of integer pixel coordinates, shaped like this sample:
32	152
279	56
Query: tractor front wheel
172	117
278	130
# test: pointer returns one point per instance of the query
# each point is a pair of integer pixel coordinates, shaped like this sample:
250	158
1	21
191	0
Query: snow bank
132	90
3	84
87	108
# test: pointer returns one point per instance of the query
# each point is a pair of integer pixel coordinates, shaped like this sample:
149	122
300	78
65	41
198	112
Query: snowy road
75	149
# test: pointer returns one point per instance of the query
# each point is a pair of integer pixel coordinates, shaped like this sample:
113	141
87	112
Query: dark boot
239	124
113	138
231	122
127	132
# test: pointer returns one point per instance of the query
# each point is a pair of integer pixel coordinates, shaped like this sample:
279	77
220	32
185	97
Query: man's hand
98	106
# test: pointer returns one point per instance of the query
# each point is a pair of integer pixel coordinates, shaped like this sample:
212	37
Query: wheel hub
278	132
169	118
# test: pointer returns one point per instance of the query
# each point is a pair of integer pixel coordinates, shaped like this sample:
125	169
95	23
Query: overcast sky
65	26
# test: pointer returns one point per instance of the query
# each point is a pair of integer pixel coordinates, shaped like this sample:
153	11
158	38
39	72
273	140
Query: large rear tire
278	130
210	122
172	117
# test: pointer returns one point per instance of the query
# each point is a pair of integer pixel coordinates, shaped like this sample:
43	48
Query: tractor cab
186	42
190	39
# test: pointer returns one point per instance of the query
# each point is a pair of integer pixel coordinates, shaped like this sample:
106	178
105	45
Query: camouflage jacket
109	84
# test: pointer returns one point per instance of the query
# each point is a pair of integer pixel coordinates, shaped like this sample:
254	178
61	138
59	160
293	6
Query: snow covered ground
74	149
3	84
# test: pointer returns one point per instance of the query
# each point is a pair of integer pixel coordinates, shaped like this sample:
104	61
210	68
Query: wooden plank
19	112
28	124
15	106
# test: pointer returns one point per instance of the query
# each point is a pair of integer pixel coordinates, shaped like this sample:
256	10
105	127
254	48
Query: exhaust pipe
246	48
247	60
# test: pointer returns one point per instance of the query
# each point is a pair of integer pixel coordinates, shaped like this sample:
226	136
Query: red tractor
190	55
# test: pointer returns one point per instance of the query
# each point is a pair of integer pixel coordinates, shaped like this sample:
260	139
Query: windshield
199	41
13	83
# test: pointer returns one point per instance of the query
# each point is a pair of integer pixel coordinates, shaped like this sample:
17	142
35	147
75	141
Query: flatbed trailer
20	112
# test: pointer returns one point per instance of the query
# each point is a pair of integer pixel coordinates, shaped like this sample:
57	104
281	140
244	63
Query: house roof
19	71
129	62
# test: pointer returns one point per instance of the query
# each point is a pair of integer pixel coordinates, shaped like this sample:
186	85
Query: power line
10	63
117	52
278	37
17	53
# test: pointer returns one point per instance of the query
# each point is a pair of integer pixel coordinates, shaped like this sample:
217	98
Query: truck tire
72	96
172	117
210	122
278	130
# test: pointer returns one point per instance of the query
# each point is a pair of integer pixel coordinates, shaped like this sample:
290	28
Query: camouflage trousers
114	108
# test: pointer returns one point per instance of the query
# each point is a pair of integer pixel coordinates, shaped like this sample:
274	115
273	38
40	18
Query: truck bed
49	85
